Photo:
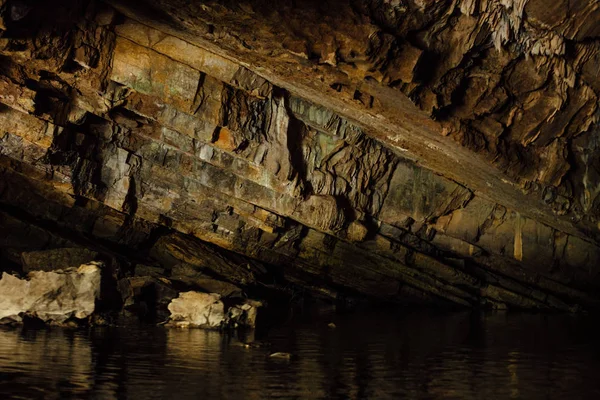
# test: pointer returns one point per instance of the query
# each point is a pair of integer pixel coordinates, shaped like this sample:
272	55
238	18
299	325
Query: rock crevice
172	133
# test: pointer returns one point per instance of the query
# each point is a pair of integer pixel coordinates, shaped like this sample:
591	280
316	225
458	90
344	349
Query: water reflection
31	354
451	356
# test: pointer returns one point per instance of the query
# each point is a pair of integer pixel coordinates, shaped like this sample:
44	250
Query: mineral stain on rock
430	153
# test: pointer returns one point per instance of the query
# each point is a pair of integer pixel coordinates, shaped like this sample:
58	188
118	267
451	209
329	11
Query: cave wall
115	130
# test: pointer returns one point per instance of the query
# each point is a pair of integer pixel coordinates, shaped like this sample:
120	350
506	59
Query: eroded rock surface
206	310
411	152
53	297
51	260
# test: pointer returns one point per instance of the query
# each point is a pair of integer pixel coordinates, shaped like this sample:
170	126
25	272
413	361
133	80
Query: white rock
53	296
195	309
206	310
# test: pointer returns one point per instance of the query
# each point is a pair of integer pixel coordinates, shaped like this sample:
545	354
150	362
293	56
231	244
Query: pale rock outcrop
206	310
53	297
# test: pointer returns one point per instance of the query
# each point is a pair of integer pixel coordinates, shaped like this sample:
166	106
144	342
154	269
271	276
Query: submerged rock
53	297
281	356
206	310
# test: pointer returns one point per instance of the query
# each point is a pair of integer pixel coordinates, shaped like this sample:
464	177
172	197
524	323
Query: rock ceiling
420	151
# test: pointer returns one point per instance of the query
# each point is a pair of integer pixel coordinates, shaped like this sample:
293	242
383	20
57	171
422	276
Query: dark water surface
421	355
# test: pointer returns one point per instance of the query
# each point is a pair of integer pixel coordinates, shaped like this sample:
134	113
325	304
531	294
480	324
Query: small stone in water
281	356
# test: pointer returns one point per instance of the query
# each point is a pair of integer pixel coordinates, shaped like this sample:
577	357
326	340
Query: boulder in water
53	297
280	355
206	310
195	309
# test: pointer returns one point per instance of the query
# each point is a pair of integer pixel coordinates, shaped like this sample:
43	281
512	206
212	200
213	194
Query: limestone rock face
52	297
206	310
439	152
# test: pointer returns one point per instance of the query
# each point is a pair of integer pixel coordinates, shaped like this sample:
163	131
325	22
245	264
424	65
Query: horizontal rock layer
132	134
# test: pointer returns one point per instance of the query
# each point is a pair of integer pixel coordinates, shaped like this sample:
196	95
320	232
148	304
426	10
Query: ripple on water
460	355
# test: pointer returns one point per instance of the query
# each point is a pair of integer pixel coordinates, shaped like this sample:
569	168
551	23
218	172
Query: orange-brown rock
412	152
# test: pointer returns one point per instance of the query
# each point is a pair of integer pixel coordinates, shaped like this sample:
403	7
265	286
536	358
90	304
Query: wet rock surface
191	157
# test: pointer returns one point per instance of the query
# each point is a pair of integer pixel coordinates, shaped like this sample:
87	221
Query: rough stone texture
51	260
52	297
206	310
194	309
414	152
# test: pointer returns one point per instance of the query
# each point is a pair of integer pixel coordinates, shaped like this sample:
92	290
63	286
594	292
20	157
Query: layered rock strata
216	139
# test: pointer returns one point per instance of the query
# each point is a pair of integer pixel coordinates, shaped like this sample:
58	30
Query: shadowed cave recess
413	153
